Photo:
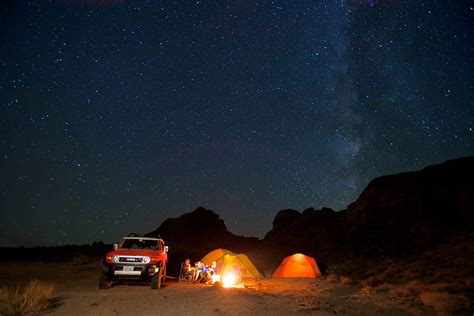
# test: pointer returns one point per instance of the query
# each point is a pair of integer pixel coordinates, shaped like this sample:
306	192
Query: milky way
115	115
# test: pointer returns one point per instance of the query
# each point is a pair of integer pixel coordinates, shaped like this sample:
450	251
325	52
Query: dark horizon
110	242
116	115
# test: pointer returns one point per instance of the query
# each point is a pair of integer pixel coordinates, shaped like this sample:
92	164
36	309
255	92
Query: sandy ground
77	293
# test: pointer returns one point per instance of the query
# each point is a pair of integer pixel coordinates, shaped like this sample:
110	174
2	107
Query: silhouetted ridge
394	215
414	209
200	224
194	234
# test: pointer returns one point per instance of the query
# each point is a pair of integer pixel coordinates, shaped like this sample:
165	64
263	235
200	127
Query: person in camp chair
213	269
198	270
188	270
204	274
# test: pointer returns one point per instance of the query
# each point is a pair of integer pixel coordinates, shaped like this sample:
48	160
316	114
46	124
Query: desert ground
76	292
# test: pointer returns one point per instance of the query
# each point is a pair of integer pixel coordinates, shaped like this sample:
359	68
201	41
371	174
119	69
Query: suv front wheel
158	279
104	282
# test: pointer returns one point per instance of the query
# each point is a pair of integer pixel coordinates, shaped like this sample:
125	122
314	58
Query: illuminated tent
230	262
214	255
297	266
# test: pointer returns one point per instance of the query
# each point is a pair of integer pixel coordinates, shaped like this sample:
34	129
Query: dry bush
401	292
443	276
443	302
415	286
81	260
33	298
373	281
469	281
408	290
4	294
345	280
367	289
332	278
384	287
339	268
447	287
380	278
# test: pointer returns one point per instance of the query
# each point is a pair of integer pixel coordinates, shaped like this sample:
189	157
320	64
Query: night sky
115	115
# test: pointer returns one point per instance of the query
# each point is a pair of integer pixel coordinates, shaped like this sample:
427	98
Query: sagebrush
32	298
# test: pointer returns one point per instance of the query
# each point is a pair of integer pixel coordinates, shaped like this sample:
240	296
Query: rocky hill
311	232
413	210
395	215
194	234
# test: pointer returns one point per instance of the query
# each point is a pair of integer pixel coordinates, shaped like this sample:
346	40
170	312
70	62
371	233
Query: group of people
200	272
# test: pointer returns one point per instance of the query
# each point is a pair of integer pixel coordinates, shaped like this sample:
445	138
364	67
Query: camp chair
184	275
204	277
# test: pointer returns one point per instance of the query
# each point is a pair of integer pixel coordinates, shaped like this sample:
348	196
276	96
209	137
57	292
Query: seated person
213	269
188	270
197	271
187	265
204	274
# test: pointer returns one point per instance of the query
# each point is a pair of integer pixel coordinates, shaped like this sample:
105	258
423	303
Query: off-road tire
156	281
164	274
104	282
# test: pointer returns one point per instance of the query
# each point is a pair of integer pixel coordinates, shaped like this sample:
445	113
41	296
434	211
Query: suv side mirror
115	246
167	248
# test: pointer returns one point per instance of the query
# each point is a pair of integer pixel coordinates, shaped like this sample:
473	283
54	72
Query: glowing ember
216	278
229	280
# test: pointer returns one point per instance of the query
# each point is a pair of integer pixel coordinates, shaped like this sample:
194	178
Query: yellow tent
232	262
214	255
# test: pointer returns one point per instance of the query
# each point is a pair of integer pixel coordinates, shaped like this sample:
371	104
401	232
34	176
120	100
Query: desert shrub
415	286
373	281
332	278
447	287
345	280
33	298
401	292
384	287
3	300
81	260
443	302
469	281
345	267
380	278
408	290
367	289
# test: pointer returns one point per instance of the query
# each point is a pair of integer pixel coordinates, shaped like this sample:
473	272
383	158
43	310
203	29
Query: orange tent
297	266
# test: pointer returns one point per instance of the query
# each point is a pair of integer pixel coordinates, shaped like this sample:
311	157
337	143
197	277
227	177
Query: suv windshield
140	244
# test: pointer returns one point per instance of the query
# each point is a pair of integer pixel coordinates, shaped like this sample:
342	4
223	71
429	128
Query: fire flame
229	280
216	278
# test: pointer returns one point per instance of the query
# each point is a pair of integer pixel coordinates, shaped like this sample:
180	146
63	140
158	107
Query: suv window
140	244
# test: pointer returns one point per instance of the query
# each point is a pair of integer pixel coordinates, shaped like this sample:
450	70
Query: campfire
231	280
216	278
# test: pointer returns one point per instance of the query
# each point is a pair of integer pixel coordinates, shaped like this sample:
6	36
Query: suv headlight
115	259
146	259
